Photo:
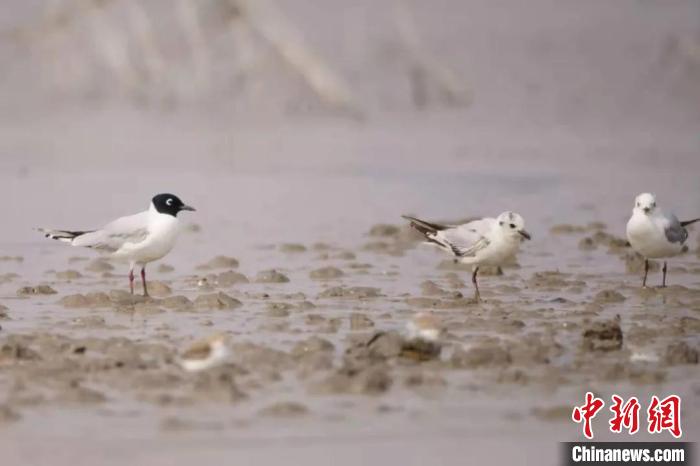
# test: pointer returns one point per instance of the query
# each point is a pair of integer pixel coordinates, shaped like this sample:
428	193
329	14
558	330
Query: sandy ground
576	114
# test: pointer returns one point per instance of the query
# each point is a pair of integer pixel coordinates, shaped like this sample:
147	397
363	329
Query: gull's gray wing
674	231
466	240
110	238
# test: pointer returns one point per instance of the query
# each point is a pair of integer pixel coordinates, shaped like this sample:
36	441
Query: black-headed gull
655	234
137	239
487	241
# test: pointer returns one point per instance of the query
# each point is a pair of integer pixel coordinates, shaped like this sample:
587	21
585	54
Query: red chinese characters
662	415
587	412
665	415
625	415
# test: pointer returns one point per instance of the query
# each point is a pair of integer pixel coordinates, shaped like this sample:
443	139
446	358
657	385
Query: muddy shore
298	256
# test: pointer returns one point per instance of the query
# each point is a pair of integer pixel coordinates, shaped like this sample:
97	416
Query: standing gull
654	234
487	241
137	239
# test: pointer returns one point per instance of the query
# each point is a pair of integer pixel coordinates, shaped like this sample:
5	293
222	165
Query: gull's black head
169	204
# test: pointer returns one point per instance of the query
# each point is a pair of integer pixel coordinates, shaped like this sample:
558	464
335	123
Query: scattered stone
125	298
454	280
36	290
8	414
311	345
486	355
360	322
216	301
377	246
378	347
553	413
314	319
99	266
69	275
326	273
565	229
285	409
145	307
634	263
421	379
587	244
219	262
492	271
292	248
603	336
419	349
165	268
384	230
613	243
8	277
75	301
369	380
271	276
690	325
14	350
609	296
279	306
76	393
230	278
357	292
89	322
159	289
177	303
277	312
681	353
430	288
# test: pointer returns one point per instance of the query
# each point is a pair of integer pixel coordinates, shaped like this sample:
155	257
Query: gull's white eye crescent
169	202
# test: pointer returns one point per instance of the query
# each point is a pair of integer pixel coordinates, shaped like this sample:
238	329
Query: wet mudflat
298	256
319	349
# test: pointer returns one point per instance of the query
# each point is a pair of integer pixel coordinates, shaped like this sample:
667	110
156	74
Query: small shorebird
205	354
487	241
654	234
425	326
137	239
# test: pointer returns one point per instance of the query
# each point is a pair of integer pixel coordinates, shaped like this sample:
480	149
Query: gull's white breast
162	233
647	237
500	249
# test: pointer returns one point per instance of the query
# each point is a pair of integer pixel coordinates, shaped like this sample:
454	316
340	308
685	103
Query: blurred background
304	121
272	110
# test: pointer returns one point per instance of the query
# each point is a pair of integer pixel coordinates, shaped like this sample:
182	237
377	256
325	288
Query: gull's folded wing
131	229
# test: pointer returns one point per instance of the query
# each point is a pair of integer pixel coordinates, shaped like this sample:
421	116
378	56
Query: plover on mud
424	326
205	354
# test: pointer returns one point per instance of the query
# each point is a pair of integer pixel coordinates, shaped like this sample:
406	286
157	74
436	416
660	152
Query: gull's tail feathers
425	227
62	235
428	230
690	222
